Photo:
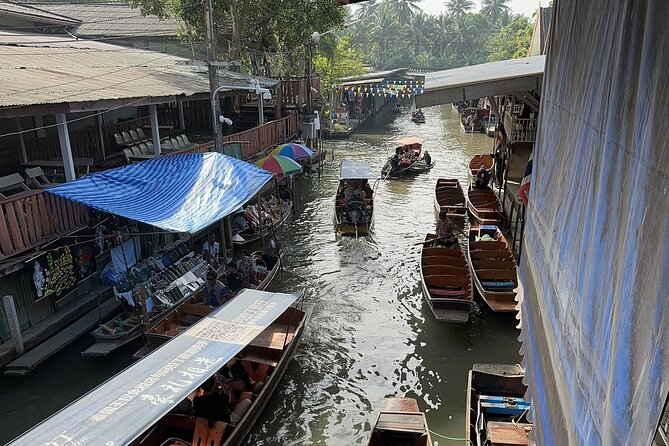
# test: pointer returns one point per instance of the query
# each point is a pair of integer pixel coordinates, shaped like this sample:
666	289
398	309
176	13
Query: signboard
121	409
58	271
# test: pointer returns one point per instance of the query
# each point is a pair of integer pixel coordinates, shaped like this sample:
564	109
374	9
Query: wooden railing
30	219
292	89
524	130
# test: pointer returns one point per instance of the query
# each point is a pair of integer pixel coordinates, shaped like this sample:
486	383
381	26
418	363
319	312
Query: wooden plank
37	224
53	215
45	218
30	220
69	209
21	220
5	240
14	229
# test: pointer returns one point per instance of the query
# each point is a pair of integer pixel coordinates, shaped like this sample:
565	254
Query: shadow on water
371	335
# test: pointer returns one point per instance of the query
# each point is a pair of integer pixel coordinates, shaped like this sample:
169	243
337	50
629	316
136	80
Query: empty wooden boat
496	413
400	423
484	206
407	154
478	161
446	281
448	196
150	403
494	267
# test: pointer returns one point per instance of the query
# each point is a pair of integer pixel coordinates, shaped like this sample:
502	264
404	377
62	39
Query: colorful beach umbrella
279	165
293	151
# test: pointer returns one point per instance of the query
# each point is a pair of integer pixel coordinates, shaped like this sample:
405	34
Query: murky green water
371	335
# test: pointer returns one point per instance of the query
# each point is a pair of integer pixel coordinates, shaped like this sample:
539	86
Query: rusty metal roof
37	15
113	19
44	69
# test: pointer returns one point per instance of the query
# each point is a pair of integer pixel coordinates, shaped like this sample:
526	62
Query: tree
343	61
512	41
494	9
459	8
405	10
383	27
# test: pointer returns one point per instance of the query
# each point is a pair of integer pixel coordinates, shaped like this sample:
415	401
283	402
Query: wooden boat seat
505	263
451	261
478	255
436	270
447	281
487	245
436	293
431	251
496	275
274	337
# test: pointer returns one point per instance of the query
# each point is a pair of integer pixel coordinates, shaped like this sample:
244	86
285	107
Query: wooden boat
448	196
471	120
418	118
147	403
190	312
277	219
421	167
494	268
400	423
484	206
446	281
496	413
397	108
408	145
355	217
126	328
478	161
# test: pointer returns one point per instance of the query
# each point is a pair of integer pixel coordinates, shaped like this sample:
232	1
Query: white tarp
596	253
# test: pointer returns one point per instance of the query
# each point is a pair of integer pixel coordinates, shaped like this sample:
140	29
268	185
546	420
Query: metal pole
310	48
65	148
155	131
14	325
213	72
261	111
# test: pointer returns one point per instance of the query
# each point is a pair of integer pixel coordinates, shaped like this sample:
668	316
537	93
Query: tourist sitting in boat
210	250
215	293
445	230
395	161
284	193
247	268
270	254
427	158
239	223
482	178
214	403
235	280
369	192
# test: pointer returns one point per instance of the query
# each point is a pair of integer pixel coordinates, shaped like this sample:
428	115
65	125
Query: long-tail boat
187	314
400	423
407	154
354	217
496	413
484	206
446	281
150	402
478	161
494	267
449	197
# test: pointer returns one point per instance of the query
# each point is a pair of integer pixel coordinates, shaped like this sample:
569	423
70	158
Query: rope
447	437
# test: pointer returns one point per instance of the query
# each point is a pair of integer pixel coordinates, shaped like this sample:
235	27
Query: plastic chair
185	139
126	137
12	182
127	154
142	147
135	150
149	145
36	176
141	134
119	139
135	137
145	149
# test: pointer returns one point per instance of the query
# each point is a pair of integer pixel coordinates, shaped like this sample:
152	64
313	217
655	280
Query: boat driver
445	230
482	178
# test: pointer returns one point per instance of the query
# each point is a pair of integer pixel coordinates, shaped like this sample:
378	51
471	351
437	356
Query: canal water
371	335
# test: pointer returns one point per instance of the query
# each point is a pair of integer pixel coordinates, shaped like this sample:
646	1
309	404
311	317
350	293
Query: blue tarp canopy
181	193
118	411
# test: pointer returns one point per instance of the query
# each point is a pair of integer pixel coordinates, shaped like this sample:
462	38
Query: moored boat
471	120
354	200
275	216
407	154
190	312
478	161
446	281
147	404
494	268
400	423
448	196
496	413
484	206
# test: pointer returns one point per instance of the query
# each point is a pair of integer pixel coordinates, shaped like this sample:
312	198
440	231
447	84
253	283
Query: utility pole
213	72
310	56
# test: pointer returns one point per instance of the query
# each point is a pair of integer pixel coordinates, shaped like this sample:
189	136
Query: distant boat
471	120
400	423
446	281
400	164
418	118
494	268
496	413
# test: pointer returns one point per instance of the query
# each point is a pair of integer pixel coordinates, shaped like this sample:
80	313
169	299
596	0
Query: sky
525	7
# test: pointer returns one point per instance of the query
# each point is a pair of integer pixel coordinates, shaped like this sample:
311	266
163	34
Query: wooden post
224	245
155	131
145	316
228	234
182	121
261	110
23	155
14	326
65	148
98	118
260	220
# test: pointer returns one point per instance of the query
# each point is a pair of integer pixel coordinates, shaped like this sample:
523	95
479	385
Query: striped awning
180	193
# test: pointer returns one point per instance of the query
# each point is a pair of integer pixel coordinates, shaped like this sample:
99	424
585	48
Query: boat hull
449	196
484	206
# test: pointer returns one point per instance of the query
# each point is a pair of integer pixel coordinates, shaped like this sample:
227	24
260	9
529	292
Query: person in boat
482	178
235	280
284	193
348	192
427	158
271	253
210	250
215	293
369	192
395	161
214	403
239	222
247	268
445	230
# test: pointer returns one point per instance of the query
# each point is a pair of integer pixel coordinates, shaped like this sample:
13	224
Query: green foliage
512	42
342	61
393	34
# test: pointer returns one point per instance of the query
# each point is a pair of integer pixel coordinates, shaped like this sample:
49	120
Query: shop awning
356	170
180	193
118	411
478	81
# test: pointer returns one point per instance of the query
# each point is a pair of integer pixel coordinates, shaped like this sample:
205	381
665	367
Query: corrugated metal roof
37	15
113	19
40	69
477	81
375	74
